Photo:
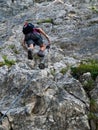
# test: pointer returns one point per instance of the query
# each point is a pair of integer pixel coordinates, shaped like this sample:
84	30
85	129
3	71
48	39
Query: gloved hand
48	46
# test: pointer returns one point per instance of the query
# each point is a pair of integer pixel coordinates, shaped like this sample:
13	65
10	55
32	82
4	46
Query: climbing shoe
30	54
48	46
42	66
40	53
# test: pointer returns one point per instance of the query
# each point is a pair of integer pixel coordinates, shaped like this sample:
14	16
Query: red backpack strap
36	30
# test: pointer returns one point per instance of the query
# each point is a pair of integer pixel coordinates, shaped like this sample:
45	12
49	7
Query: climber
32	37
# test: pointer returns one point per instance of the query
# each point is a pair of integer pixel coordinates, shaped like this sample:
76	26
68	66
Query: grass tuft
63	70
93	105
2	64
13	47
48	20
7	62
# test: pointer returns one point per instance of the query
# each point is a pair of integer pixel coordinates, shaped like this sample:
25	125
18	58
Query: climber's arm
42	32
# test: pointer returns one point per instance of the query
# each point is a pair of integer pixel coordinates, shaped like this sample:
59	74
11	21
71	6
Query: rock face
49	99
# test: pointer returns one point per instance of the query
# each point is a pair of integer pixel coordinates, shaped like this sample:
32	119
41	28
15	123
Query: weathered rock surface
49	99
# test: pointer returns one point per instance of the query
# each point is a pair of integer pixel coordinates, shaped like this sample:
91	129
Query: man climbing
32	37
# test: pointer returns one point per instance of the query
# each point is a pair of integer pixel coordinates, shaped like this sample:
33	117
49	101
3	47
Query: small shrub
63	70
93	105
89	85
2	47
94	9
12	46
2	64
92	116
91	67
7	62
16	51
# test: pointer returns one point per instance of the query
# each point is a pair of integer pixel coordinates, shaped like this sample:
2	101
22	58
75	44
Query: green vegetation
94	9
13	47
2	48
7	62
93	110
92	116
63	70
93	105
90	66
16	51
89	85
2	64
48	20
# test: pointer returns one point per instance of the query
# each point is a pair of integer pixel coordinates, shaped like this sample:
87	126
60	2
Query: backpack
27	28
31	32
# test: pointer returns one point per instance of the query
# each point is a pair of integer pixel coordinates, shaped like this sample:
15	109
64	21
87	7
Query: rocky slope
49	99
